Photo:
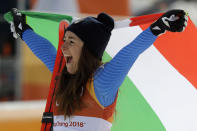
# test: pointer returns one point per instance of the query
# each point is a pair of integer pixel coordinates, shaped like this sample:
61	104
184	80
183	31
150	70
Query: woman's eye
72	42
63	39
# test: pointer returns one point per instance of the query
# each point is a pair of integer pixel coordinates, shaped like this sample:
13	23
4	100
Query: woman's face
71	50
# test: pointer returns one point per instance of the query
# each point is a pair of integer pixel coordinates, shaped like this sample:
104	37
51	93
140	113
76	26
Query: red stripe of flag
180	49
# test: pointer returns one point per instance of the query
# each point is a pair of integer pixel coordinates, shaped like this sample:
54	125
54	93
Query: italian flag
159	92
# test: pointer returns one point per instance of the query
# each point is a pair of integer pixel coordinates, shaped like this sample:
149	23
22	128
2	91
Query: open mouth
68	59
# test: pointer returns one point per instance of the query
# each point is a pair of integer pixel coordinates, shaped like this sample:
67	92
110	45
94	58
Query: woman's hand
18	26
173	21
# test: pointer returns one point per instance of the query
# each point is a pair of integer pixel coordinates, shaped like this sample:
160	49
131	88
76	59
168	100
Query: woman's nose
65	46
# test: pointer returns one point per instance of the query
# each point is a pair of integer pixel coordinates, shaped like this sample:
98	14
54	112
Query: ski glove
18	26
173	21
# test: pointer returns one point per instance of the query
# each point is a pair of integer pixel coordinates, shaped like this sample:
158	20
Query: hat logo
78	20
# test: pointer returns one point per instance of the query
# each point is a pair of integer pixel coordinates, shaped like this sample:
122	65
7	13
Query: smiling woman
71	50
87	91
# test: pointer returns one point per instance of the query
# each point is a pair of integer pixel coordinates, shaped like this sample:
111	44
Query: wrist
25	27
157	29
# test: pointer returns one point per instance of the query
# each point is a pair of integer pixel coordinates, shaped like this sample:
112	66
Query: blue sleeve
108	79
41	47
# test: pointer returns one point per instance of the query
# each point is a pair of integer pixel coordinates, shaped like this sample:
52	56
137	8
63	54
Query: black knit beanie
94	32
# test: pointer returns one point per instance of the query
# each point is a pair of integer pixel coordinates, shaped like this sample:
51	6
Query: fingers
12	28
179	24
15	12
179	12
17	16
176	12
183	24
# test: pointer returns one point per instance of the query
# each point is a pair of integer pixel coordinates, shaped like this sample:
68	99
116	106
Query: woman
87	92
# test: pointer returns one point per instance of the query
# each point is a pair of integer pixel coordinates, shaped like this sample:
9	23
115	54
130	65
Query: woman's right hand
19	25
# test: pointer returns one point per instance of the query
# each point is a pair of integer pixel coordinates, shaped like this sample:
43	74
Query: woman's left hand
173	21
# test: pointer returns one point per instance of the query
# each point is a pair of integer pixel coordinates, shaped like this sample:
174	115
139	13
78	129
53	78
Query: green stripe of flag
133	113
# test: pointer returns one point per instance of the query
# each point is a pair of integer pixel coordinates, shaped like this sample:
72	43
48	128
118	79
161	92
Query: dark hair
72	87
